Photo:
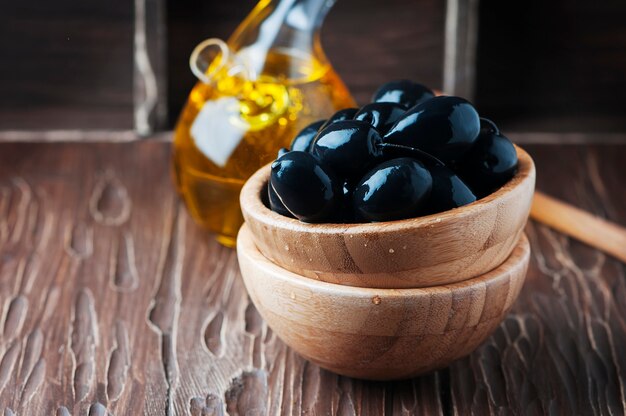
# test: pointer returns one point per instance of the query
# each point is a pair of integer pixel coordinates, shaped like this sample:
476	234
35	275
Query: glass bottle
256	91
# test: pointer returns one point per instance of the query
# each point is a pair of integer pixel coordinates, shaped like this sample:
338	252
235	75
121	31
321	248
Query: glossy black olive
381	116
307	189
341	115
275	203
302	141
445	127
403	92
393	151
489	164
393	190
282	151
448	191
488	126
349	147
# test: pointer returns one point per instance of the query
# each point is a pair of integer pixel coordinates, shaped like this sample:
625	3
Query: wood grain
559	351
438	249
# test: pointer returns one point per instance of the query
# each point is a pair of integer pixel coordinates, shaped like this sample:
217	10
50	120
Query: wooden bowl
442	248
380	334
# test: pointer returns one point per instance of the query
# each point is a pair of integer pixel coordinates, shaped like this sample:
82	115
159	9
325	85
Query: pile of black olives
406	154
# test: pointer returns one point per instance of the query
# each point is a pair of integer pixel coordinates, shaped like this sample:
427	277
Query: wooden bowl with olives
411	190
376	333
435	249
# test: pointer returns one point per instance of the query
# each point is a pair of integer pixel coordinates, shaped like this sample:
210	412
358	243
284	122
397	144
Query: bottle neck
290	25
301	15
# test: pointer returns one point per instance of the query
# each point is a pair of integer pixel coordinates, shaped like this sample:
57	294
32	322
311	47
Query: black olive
275	203
393	190
445	127
448	191
341	115
349	147
282	151
306	188
393	151
302	141
403	92
381	116
489	164
488	126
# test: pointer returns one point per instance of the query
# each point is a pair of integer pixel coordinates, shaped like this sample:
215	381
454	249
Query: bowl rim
252	205
520	255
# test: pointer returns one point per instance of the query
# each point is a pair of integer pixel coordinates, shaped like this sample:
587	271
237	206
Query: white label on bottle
218	129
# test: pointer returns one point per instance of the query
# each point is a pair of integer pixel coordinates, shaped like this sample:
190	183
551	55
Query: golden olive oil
234	126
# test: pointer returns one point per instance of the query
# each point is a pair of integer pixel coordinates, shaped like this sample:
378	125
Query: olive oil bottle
255	92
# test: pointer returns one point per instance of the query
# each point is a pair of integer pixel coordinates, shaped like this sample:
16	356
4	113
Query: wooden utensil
380	333
443	248
595	231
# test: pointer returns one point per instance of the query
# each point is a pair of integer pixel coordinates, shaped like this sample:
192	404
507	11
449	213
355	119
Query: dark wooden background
112	301
66	64
557	65
541	66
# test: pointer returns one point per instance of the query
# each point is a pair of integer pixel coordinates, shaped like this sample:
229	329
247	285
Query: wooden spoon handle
595	231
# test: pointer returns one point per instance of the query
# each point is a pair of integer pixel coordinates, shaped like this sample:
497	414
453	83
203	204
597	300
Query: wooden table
112	301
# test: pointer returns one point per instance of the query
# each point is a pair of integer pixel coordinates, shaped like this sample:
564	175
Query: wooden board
113	301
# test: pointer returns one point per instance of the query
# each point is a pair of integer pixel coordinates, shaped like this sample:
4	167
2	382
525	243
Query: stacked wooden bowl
391	299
